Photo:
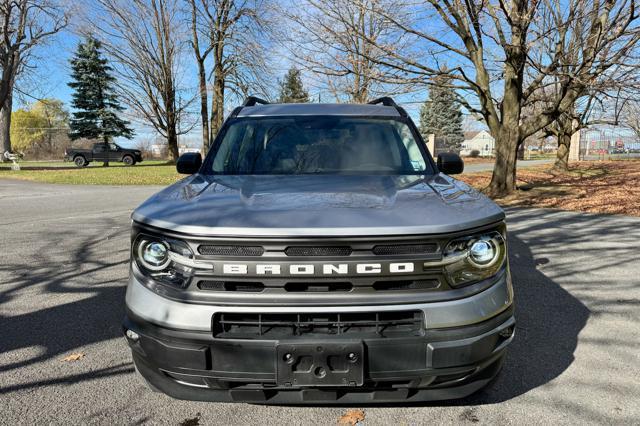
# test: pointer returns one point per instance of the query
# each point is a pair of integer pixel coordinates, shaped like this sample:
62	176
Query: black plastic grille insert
404	249
262	325
242	251
318	251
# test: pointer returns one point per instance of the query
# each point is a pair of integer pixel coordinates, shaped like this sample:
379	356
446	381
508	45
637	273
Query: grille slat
303	251
382	250
259	325
245	286
240	251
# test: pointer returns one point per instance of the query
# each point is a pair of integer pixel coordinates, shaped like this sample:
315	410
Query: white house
480	141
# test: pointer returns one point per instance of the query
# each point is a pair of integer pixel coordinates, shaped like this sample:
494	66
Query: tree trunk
107	152
217	104
503	180
5	126
562	156
204	111
172	142
564	127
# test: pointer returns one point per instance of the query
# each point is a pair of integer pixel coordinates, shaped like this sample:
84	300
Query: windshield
317	145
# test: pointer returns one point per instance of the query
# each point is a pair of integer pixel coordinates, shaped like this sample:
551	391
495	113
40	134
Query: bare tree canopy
339	41
144	39
230	35
500	54
25	24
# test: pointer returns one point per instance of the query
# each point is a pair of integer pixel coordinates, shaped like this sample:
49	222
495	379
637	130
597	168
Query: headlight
167	261
153	255
475	258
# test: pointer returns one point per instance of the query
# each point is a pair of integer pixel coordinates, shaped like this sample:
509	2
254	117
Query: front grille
242	251
231	286
318	287
382	250
318	251
274	326
406	285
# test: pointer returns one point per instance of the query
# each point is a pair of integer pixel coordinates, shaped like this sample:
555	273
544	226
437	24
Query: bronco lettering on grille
325	269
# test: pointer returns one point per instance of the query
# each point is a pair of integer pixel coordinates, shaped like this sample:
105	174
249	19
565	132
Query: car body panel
320	205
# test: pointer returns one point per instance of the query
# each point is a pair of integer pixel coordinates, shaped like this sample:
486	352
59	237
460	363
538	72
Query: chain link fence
608	143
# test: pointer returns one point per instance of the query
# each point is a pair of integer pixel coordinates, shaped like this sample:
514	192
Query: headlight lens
474	258
167	261
154	255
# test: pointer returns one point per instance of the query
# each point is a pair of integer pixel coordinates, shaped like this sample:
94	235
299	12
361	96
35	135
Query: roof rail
388	101
252	101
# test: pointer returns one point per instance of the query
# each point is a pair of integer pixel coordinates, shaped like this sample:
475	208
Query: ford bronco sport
318	254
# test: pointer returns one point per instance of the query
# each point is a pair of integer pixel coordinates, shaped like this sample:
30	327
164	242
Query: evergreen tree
291	88
441	116
94	99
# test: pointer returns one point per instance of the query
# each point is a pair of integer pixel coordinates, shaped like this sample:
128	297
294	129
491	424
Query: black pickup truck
103	152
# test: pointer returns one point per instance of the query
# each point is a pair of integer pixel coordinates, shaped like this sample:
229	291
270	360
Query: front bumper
176	352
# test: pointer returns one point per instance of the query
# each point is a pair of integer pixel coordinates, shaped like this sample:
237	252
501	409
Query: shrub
474	153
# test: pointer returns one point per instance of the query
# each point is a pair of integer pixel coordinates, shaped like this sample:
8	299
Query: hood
321	205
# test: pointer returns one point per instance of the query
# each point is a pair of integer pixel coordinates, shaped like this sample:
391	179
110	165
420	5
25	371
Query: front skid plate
320	364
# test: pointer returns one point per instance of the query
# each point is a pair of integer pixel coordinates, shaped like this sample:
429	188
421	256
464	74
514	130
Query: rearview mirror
450	163
189	163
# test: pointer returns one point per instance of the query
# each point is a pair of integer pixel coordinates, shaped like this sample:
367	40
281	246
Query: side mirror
450	163
189	163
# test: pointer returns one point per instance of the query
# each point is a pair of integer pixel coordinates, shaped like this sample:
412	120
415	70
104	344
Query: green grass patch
147	173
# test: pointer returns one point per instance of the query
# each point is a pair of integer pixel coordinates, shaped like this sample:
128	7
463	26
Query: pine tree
291	88
94	99
440	115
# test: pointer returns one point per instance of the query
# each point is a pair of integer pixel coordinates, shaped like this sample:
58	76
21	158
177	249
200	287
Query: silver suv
319	255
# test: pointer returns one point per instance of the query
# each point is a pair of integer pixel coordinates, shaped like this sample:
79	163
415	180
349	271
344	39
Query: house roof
471	135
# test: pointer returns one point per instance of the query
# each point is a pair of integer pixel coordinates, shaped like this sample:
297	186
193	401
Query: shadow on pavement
93	279
549	318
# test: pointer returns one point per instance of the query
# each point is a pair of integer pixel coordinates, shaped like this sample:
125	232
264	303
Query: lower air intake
352	324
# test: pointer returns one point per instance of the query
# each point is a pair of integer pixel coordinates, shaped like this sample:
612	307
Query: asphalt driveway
63	266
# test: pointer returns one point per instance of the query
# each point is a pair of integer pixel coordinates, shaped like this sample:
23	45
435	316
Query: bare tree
630	116
232	34
338	41
143	38
485	46
24	25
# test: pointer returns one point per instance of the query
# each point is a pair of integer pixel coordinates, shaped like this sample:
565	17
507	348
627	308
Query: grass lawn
146	173
591	186
611	187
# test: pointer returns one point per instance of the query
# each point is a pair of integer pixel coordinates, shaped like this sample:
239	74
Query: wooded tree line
524	67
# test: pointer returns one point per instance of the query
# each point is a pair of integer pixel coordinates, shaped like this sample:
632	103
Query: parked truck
319	255
102	152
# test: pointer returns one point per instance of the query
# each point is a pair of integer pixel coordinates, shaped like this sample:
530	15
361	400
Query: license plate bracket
320	364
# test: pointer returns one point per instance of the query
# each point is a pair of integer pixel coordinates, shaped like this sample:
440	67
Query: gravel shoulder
63	268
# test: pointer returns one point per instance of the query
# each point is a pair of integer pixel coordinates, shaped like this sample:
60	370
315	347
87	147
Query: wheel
128	160
80	161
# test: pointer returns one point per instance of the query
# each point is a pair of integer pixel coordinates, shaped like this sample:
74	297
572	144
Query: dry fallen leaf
73	357
351	417
191	422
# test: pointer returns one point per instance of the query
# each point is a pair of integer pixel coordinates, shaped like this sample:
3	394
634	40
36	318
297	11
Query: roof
318	109
472	134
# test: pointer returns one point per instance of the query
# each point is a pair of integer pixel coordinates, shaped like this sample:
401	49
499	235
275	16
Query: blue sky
49	78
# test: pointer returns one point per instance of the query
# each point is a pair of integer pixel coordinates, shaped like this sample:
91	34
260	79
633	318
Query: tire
128	160
80	161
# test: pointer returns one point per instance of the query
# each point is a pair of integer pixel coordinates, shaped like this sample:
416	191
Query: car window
113	147
318	145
